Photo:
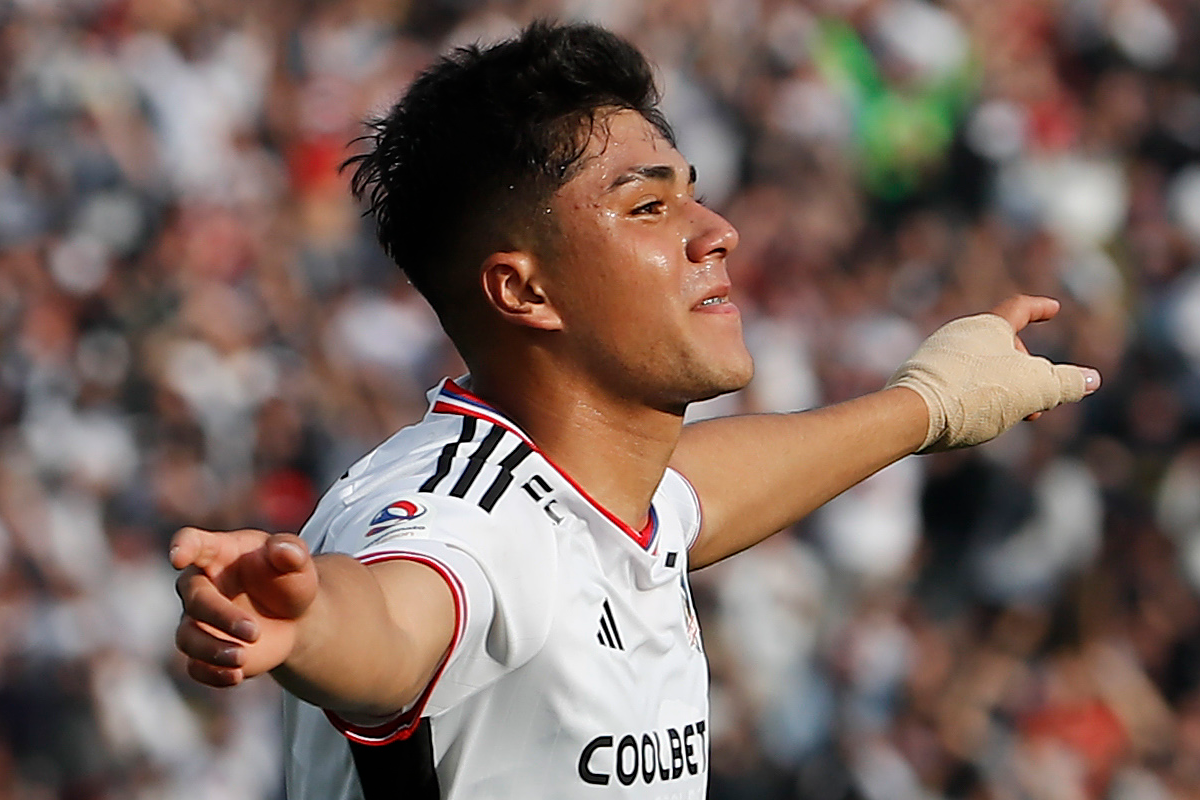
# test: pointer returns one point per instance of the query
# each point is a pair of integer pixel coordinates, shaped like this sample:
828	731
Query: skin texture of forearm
352	655
756	475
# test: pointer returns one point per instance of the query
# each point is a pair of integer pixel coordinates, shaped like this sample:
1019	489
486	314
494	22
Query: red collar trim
453	399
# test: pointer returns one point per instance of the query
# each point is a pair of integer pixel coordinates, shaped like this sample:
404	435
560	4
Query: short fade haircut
465	162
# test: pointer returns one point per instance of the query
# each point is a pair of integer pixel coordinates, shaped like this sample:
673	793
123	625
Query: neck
616	450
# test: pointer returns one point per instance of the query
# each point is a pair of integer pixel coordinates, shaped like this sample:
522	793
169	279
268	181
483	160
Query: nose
713	235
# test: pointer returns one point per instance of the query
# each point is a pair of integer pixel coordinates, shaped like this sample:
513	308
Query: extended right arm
362	641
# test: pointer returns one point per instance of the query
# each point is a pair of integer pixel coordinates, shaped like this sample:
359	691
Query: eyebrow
654	172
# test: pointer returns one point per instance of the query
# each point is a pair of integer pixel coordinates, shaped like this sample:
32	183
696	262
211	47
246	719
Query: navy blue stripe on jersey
505	478
446	459
476	461
403	768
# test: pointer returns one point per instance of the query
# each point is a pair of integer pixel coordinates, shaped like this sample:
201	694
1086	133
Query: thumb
285	576
1075	382
287	552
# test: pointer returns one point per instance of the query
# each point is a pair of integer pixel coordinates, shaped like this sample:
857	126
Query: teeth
712	301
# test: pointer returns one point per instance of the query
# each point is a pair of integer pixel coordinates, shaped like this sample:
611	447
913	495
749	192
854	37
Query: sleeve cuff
694	533
404	723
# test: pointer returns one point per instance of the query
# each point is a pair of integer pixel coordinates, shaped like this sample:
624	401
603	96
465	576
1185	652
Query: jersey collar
450	398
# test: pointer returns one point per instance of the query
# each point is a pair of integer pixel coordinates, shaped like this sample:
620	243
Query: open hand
243	593
978	379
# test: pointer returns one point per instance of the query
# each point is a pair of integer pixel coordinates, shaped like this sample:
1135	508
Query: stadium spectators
196	327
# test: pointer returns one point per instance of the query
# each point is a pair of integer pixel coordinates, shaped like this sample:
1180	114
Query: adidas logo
608	635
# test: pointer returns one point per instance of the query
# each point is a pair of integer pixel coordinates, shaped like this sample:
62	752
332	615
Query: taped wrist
977	384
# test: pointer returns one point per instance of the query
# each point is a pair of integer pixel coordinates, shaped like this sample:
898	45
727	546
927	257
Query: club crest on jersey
394	514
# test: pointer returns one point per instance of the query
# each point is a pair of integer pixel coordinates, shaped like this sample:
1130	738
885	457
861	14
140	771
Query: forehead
622	141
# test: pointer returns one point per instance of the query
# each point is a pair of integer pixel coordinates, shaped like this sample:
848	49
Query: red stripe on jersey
403	725
453	399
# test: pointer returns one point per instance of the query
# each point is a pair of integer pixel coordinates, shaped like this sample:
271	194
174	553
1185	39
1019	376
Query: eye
652	207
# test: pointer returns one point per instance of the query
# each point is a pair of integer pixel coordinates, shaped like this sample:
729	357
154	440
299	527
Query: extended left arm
969	382
756	475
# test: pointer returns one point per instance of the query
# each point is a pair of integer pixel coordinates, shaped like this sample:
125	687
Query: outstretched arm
363	641
969	382
756	475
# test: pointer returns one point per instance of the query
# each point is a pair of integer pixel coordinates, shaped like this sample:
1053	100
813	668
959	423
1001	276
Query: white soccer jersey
576	668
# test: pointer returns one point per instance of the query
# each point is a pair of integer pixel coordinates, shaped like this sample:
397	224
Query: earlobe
512	285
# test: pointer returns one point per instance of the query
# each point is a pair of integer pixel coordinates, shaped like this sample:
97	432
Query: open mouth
716	303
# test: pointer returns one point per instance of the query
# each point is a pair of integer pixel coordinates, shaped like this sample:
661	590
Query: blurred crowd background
196	327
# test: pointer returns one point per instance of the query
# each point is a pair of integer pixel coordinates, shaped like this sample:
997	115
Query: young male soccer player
500	604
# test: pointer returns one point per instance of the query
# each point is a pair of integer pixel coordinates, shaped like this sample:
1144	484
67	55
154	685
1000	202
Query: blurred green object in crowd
904	122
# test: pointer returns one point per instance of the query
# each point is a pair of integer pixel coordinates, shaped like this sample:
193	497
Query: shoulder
453	478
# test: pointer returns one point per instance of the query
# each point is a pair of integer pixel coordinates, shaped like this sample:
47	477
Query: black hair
481	140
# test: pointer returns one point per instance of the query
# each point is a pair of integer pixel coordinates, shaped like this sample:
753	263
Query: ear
513	287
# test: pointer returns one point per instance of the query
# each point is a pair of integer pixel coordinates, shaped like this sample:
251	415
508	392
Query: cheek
615	274
618	273
645	263
642	297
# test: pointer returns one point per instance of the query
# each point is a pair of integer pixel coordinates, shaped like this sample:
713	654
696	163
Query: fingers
212	660
201	548
185	544
211	550
1022	309
276	572
202	601
1076	382
241	593
200	644
210	675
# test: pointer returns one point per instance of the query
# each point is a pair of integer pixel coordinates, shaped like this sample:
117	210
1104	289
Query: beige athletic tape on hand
977	384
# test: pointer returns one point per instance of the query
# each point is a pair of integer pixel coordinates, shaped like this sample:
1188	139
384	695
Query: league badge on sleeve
395	515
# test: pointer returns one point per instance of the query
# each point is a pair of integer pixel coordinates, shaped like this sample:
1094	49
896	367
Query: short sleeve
500	583
677	493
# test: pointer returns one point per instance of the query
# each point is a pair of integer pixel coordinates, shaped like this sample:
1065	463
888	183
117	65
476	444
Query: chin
730	379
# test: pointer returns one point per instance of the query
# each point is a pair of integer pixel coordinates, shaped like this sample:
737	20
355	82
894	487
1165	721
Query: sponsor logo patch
394	514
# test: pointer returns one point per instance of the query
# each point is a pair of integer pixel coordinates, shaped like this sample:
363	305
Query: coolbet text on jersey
576	668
